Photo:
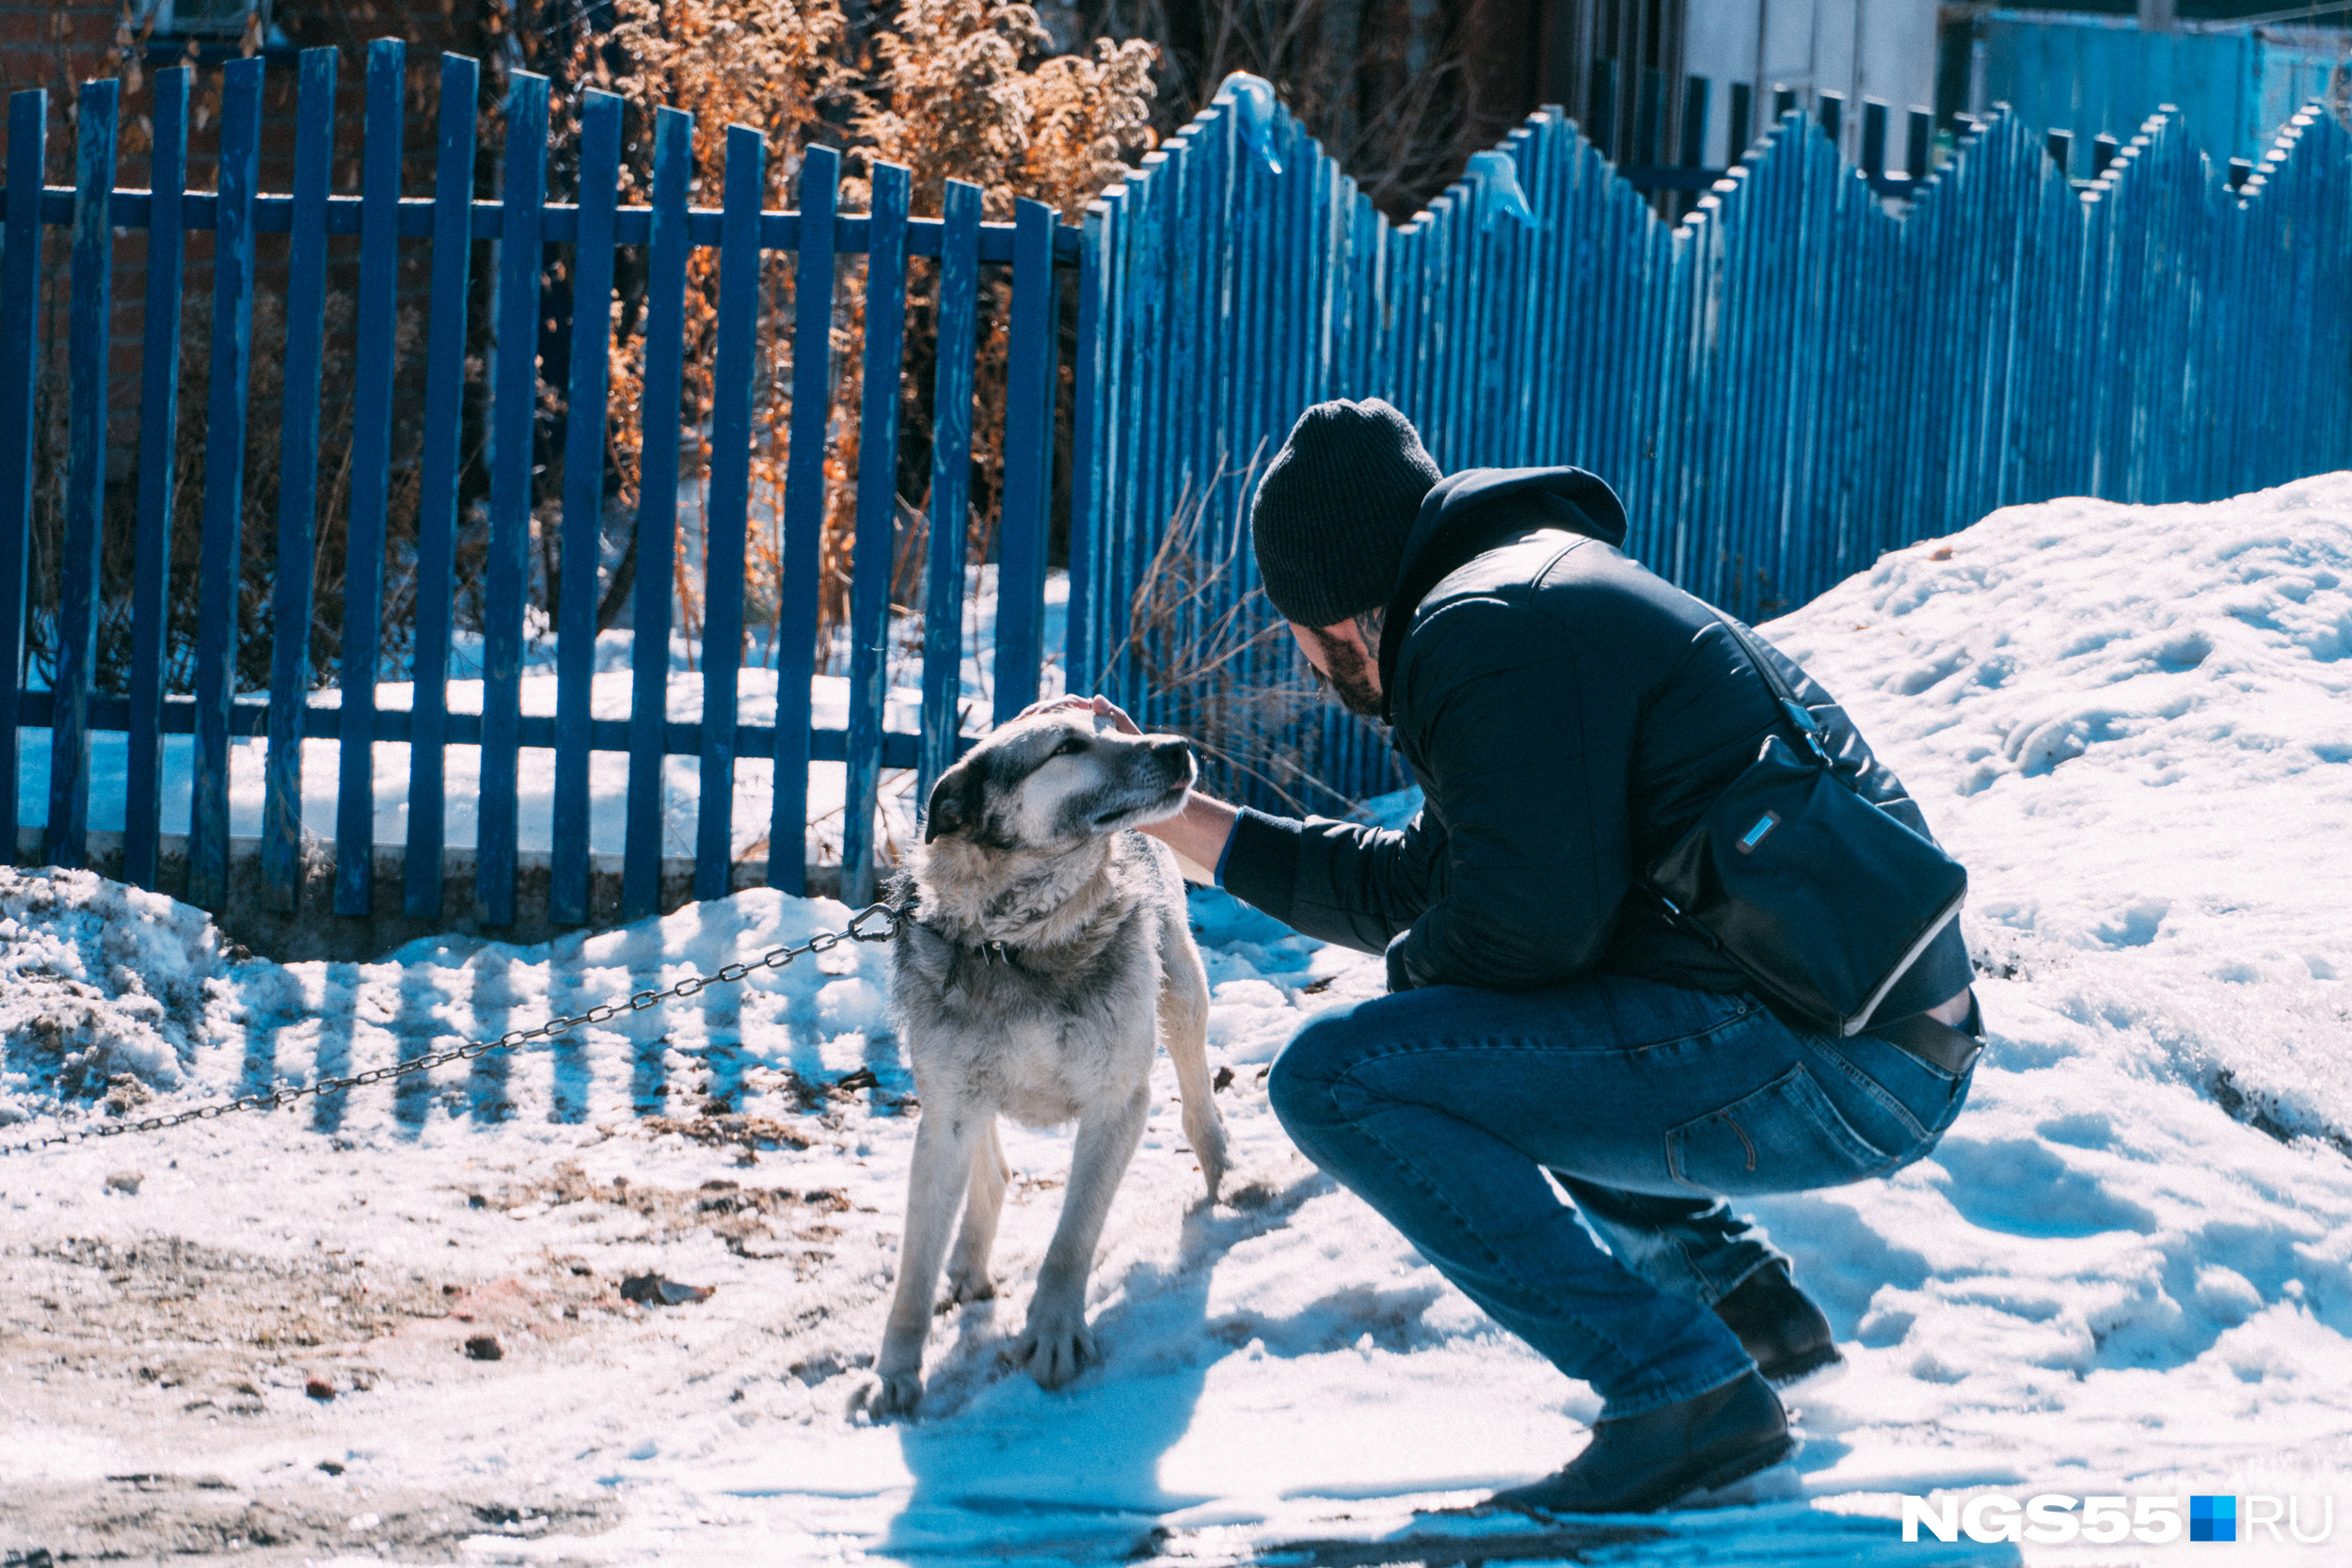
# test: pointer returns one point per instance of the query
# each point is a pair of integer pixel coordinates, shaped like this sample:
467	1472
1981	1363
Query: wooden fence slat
159	444
584	500
88	356
20	303
875	552
506	574
440	463
804	517
656	512
221	570
951	484
726	516
1091	373
371	475
1028	461
297	484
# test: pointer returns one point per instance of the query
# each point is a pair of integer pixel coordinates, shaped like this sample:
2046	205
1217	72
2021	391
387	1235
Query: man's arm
1198	833
1336	881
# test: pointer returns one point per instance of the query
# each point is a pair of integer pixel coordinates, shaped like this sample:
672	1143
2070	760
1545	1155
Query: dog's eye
1071	747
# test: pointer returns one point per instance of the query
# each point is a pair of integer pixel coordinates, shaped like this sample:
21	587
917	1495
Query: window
207	19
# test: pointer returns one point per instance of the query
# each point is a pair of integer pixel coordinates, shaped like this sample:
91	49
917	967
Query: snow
608	772
2127	1269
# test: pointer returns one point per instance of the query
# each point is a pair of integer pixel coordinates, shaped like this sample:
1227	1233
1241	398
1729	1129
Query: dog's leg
944	1141
1185	1030
967	1266
1054	1345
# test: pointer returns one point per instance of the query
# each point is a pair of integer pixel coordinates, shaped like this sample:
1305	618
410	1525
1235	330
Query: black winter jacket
1568	715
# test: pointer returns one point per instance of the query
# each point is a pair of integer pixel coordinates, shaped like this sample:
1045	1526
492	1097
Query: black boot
1642	1463
1779	1325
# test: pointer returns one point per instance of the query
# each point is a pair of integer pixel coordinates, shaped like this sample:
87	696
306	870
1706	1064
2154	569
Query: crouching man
1548	1029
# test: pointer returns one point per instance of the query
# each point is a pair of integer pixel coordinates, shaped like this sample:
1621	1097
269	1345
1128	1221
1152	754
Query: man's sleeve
1336	881
1527	758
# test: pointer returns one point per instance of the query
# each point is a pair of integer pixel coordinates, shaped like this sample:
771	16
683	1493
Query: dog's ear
955	803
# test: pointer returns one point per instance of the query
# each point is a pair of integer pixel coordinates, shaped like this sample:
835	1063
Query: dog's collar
988	952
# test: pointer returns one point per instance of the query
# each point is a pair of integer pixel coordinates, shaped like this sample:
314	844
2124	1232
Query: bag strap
1796	712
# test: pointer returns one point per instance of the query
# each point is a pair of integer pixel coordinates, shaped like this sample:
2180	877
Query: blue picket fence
1034	247
1797	377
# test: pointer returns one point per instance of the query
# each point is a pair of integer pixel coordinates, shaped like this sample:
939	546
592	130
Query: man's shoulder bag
1821	896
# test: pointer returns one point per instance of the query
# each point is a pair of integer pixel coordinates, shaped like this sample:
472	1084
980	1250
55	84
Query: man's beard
1354	679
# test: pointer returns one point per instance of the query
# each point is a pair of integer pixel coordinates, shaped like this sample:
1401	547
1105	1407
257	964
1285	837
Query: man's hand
1199	831
1101	708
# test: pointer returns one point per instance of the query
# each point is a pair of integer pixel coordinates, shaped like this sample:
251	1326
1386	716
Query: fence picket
159	441
804	517
298	480
957	317
656	512
238	173
440	462
1089	371
584	500
513	413
371	476
726	515
20	302
874	549
88	352
1028	461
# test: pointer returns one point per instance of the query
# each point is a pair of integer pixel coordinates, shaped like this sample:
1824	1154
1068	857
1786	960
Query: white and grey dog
1047	937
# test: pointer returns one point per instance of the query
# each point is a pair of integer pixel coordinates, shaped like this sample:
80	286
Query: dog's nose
1176	754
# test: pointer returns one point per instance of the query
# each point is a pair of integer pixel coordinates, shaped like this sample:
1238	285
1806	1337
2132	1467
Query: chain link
861	928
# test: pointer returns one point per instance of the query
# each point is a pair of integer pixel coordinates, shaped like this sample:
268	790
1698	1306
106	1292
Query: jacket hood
1464	514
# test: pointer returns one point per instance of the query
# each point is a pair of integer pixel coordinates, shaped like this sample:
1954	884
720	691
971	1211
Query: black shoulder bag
1821	896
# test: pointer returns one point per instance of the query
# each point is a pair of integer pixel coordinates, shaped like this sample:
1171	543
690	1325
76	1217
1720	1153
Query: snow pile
2131	723
102	988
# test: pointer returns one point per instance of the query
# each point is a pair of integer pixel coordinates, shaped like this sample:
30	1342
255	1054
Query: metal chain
862	927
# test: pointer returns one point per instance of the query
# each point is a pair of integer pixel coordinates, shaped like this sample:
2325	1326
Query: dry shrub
951	98
1381	84
949	87
1217	661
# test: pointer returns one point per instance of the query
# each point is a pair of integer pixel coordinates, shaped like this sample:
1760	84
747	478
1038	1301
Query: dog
1045	939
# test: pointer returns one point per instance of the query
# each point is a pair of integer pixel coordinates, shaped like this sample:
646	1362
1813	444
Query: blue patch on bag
1754	836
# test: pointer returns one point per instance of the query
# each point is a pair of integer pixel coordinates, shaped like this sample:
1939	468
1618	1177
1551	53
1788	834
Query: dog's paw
1207	1138
964	1287
1056	1349
1214	1167
891	1396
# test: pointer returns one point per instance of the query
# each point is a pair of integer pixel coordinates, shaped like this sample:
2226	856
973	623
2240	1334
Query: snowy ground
2124	1271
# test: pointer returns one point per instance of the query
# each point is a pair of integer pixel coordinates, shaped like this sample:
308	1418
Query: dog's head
1056	780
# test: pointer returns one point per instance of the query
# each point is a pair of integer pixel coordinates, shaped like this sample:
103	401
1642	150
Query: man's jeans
1444	1108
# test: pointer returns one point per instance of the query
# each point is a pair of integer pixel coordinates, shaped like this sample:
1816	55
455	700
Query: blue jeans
1445	1108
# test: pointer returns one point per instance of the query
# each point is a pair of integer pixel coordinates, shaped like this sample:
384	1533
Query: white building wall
1883	49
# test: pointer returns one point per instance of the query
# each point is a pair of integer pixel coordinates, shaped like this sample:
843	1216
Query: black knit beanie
1331	516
